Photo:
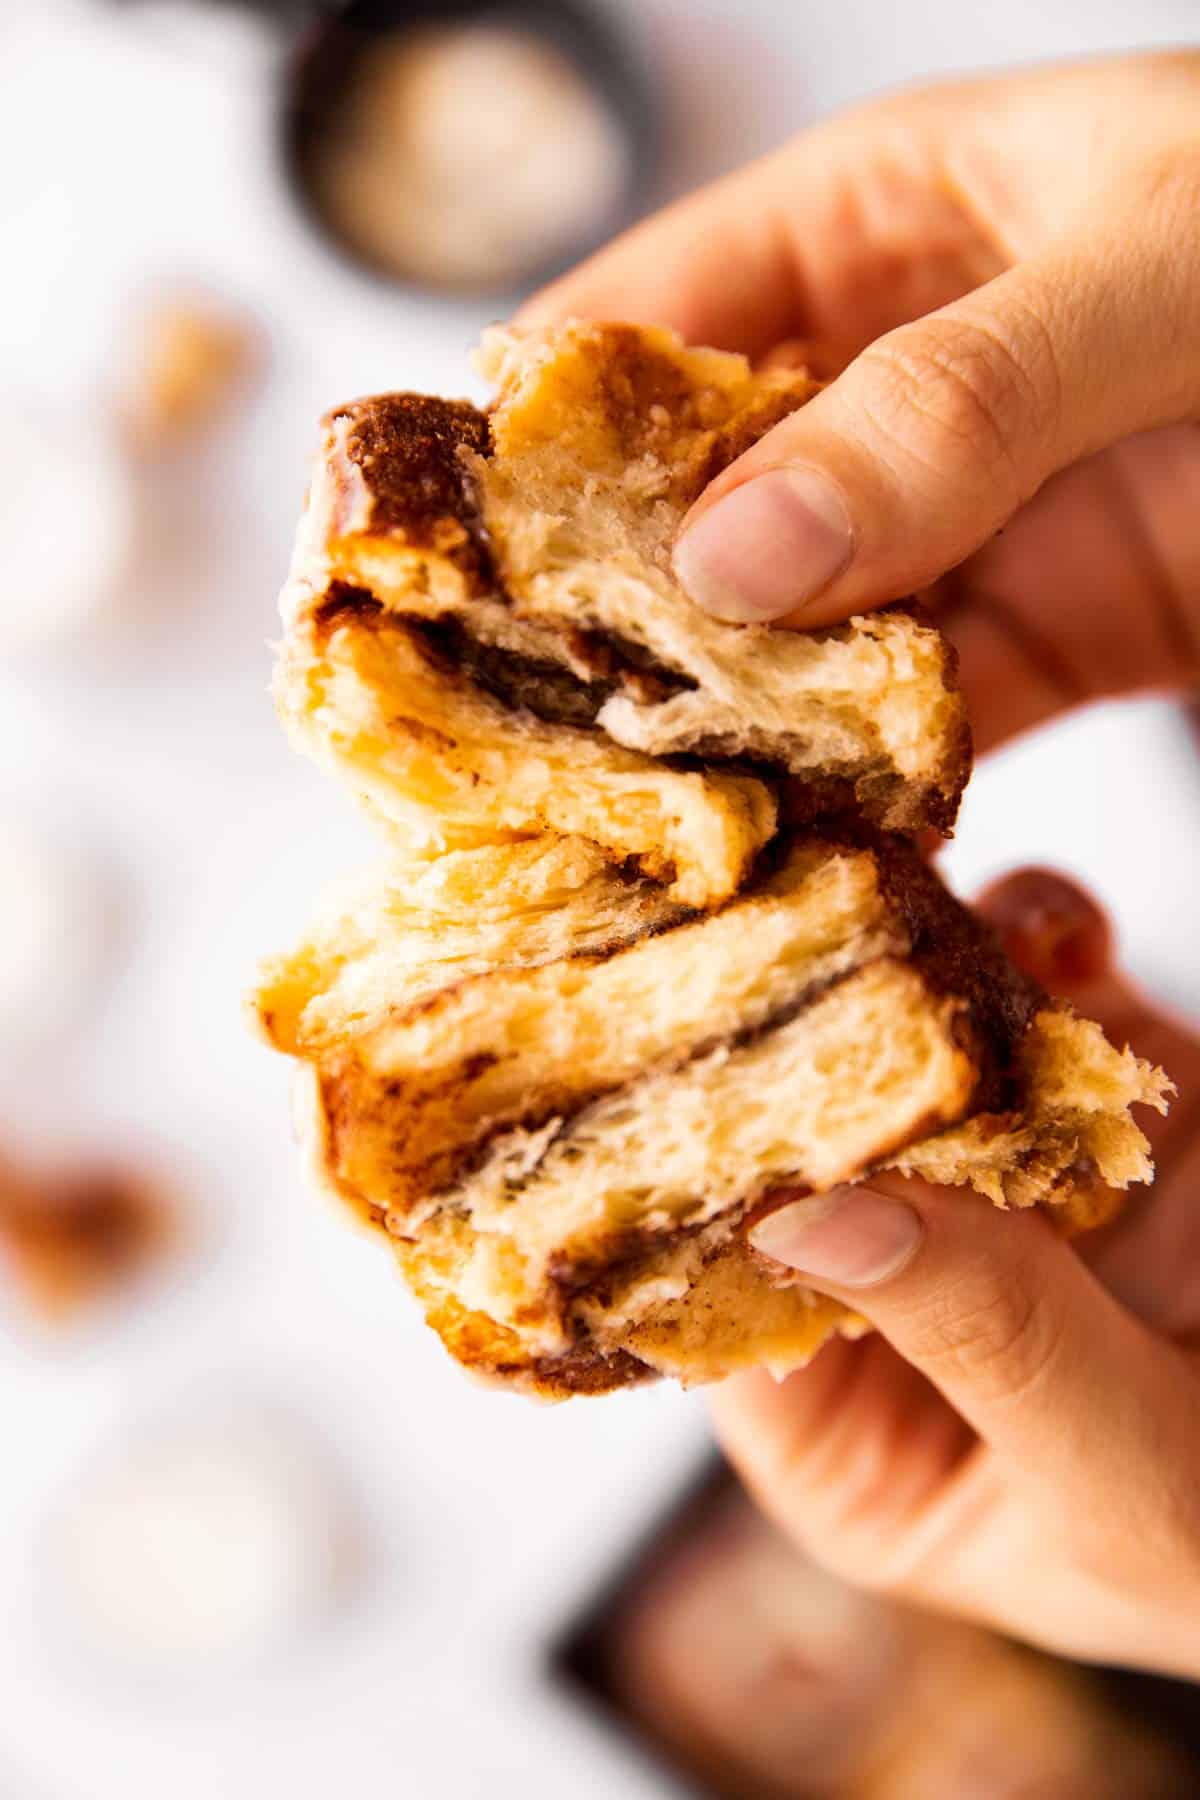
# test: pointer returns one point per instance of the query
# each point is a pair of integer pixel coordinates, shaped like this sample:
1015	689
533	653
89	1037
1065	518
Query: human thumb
933	437
995	1308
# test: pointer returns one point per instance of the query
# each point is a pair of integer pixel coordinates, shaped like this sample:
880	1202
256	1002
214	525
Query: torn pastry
483	635
564	1096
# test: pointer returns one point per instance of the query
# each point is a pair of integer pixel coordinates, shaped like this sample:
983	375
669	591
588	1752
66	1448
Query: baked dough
483	636
653	947
563	1097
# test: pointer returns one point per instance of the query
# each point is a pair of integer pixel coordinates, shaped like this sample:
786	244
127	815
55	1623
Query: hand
1021	1441
1012	267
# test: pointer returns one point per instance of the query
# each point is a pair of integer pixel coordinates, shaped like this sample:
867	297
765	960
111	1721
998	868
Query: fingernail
766	548
1052	929
852	1237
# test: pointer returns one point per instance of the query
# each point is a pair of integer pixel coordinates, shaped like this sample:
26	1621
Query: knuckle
956	386
1000	1336
1167	188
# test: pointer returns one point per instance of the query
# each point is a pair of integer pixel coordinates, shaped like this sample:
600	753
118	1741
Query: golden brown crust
406	451
496	1355
960	954
490	536
654	407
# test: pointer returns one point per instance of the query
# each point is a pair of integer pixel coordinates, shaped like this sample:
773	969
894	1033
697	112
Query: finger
1057	933
1071	1399
720	267
1050	927
846	232
935	436
996	1311
1089	592
860	1431
1149	1256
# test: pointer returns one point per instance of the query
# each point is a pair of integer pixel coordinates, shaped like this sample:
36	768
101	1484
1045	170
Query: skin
1020	1443
1006	273
1013	268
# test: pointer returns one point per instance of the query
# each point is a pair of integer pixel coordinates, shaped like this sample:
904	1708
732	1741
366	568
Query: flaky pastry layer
564	1098
484	636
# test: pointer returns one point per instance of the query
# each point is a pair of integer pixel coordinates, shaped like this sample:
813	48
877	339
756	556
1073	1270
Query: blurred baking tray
1158	1718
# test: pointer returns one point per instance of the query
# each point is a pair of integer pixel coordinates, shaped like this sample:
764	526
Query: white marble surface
132	152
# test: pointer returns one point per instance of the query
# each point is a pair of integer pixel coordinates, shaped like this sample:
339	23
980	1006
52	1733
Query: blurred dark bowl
321	72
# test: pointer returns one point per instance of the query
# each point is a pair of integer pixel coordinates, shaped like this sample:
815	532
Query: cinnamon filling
546	689
456	1166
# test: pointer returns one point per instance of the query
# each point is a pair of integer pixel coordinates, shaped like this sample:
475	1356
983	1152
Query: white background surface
130	152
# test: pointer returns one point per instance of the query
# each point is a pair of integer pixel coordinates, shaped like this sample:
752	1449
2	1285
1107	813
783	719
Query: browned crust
649	400
410	447
408	450
635	381
734	440
495	1354
399	465
960	955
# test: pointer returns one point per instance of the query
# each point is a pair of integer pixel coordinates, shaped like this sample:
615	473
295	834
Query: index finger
719	267
842	234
